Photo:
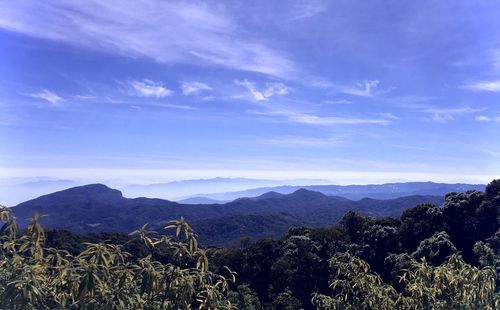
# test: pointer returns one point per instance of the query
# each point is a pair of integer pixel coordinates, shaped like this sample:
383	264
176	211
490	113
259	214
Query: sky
348	91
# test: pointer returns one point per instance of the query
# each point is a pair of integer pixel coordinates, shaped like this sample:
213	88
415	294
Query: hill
98	208
356	192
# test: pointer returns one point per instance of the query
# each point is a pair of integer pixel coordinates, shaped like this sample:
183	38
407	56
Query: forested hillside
429	258
98	208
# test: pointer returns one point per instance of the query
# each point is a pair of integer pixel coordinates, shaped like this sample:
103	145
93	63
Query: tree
103	276
435	249
419	223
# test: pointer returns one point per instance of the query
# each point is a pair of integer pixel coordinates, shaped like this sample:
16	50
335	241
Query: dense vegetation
431	257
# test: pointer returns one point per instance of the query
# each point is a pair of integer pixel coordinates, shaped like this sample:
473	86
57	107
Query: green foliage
435	249
103	276
244	298
419	223
355	287
452	285
285	301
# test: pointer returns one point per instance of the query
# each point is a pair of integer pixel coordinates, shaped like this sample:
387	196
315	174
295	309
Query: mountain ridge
98	208
356	192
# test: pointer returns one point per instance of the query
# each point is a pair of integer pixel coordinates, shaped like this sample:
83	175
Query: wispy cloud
305	9
194	88
364	89
148	88
312	119
175	106
440	118
166	31
389	116
444	115
271	89
49	96
492	86
84	97
483	118
459	110
300	141
438	114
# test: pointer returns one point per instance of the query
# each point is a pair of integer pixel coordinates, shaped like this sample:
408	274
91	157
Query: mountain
356	192
98	208
181	189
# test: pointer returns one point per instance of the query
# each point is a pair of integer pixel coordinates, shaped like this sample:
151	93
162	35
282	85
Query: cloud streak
148	88
194	88
491	86
271	89
307	9
312	119
487	119
165	31
49	96
363	89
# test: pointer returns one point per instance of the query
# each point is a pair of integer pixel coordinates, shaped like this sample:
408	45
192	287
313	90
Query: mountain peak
305	193
269	195
92	189
90	192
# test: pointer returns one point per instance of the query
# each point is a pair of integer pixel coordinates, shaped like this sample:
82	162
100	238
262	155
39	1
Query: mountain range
177	190
355	192
98	208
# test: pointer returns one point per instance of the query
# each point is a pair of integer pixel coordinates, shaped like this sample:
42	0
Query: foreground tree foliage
104	276
452	285
432	257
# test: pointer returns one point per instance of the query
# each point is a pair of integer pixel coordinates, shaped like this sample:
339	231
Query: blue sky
350	91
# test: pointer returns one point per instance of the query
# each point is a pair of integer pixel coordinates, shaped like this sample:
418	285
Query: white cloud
193	88
48	96
175	106
483	118
440	114
363	89
461	110
271	89
84	97
312	119
492	86
148	88
166	31
442	118
389	116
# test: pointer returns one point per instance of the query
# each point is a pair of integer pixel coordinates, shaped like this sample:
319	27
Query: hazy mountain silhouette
356	192
96	208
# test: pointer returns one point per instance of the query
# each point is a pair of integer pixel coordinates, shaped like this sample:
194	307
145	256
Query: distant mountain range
220	190
98	208
356	192
187	188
